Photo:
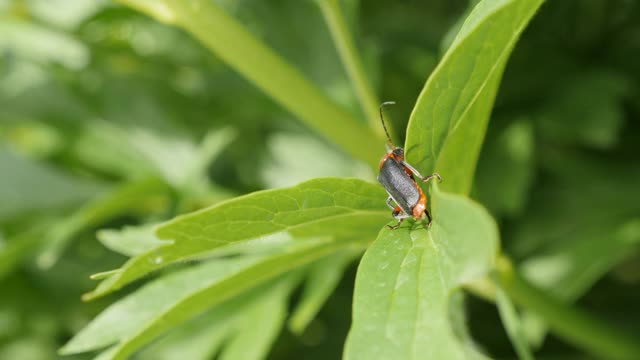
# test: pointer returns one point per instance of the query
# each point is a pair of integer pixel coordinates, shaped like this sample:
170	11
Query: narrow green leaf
199	339
174	299
512	324
129	197
344	209
448	122
406	278
204	337
143	152
237	47
17	248
573	324
21	189
322	279
332	12
260	324
152	299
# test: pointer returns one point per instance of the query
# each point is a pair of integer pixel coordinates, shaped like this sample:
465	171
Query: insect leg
396	225
434	175
389	200
418	175
429	218
398	214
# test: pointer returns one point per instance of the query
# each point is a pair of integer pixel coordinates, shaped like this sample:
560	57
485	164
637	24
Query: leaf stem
351	61
575	325
232	43
512	324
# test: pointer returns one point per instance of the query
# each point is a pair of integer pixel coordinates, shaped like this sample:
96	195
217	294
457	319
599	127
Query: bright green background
117	118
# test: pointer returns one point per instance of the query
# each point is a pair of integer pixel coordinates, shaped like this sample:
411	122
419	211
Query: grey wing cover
399	186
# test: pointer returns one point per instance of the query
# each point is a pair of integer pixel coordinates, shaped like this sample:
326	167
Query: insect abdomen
399	185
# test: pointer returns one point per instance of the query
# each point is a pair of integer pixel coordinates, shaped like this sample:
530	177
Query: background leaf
323	277
21	189
234	45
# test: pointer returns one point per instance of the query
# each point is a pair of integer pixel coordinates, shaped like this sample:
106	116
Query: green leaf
130	240
260	325
333	15
199	339
66	14
152	300
406	278
237	47
21	187
233	322
15	249
343	209
447	125
176	298
138	195
281	169
137	152
321	281
41	44
571	249
573	324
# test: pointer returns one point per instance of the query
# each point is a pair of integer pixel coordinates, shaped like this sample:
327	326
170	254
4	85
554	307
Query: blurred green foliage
110	119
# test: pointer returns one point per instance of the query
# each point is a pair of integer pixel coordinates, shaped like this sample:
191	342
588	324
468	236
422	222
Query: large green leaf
448	123
406	279
237	47
343	209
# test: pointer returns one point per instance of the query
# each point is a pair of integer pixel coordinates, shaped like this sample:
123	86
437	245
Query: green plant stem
351	61
576	326
512	324
259	64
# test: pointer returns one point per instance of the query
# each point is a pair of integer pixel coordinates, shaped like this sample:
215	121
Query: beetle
398	179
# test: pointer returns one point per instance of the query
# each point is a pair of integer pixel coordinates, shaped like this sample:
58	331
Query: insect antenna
382	120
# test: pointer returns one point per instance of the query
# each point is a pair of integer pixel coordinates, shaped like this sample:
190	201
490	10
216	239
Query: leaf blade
165	303
351	208
393	314
447	125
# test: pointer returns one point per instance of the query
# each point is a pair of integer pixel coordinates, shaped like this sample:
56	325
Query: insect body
398	179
